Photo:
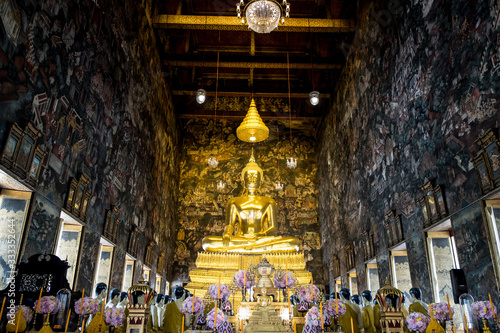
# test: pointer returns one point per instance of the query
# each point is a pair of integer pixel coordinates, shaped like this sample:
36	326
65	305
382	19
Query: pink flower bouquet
313	316
239	278
280	280
187	306
305	293
47	304
482	310
331	308
114	316
211	318
440	311
90	306
417	322
27	313
224	291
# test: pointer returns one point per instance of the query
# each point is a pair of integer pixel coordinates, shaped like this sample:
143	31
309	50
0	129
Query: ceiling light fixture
291	162
314	98
252	129
263	16
212	160
201	96
279	185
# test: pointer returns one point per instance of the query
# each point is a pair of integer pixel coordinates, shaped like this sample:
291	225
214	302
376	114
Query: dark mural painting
420	85
202	206
87	74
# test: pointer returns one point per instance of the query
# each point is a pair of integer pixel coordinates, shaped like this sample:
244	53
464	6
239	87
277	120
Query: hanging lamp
252	129
212	160
291	162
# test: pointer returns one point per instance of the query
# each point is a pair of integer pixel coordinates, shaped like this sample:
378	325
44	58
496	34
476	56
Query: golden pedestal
211	265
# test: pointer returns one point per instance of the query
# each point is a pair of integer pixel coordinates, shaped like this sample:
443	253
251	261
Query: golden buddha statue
251	221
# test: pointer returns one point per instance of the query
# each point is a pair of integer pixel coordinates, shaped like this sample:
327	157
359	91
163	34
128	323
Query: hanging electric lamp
291	162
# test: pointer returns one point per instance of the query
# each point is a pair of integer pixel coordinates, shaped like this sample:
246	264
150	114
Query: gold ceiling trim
235	64
230	23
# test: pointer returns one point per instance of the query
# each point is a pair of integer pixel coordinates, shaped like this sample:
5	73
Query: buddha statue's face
252	179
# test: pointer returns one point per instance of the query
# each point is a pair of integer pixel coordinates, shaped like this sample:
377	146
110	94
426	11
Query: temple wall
202	207
419	87
88	75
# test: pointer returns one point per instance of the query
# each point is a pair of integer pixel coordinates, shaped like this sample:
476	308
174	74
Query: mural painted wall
87	74
420	85
202	206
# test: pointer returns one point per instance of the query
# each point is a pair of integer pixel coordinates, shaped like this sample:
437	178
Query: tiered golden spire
252	128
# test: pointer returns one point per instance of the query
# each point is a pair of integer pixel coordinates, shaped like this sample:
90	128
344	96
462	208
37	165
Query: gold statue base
211	265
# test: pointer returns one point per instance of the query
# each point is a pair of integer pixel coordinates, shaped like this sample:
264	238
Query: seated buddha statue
251	221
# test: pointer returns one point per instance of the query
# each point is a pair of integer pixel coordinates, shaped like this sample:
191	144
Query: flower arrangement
305	293
313	316
224	291
27	313
211	318
331	308
280	280
114	316
187	306
90	306
482	310
440	311
239	278
47	304
417	322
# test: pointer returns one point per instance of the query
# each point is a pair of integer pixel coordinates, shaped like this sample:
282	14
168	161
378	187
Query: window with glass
146	274
353	282
167	288
68	244
13	209
400	268
128	274
338	284
493	212
442	258
158	284
104	263
372	281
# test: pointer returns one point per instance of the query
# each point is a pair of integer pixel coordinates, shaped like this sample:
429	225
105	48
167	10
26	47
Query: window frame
493	235
128	258
104	243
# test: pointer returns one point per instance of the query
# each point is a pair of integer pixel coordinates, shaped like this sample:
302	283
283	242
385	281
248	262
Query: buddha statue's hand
226	238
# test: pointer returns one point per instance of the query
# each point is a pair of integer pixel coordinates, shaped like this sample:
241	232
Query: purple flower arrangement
90	306
27	313
305	293
482	310
211	318
313	316
331	308
280	280
187	306
224	291
239	278
47	304
417	322
440	311
114	316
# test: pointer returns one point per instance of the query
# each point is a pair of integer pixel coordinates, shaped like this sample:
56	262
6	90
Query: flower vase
486	329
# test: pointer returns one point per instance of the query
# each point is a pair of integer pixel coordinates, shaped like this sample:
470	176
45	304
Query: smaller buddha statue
417	305
160	308
352	311
123	300
368	313
263	299
100	291
154	312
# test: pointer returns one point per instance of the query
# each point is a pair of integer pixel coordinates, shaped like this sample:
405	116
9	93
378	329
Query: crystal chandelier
263	16
212	162
221	185
279	186
291	163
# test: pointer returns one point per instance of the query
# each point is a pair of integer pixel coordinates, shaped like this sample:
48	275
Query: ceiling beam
245	76
249	64
247	94
266	116
198	22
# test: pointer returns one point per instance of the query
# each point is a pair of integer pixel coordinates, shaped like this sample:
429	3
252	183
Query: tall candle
192	306
312	295
182	325
449	307
336	303
19	313
352	326
289	306
102	314
245	275
321	312
286	276
3	305
215	317
241	325
465	323
38	303
67	322
294	327
492	307
430	312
